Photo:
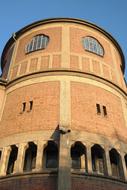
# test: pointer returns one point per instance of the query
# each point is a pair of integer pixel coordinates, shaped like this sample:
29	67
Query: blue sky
111	15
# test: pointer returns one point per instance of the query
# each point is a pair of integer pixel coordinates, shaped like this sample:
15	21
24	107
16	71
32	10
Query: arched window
98	159
12	159
92	45
38	42
30	157
78	156
116	164
50	159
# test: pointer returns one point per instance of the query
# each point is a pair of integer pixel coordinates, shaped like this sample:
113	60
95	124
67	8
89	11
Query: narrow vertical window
23	106
31	105
104	110
98	108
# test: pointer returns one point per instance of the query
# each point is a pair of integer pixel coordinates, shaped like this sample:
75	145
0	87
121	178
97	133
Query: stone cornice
67	72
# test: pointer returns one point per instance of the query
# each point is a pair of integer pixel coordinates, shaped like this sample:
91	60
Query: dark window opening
104	110
98	157
98	108
51	155
30	157
12	159
101	109
78	156
115	163
23	106
125	157
31	105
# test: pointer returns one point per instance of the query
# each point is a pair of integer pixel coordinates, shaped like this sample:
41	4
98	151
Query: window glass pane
38	42
34	43
86	44
93	45
30	46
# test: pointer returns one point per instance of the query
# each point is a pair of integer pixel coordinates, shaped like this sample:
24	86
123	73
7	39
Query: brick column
64	170
39	157
18	168
4	160
89	159
108	163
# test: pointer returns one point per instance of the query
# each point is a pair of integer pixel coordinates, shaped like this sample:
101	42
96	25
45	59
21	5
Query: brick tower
63	109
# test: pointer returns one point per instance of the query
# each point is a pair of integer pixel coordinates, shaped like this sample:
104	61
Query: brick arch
30	157
116	163
98	159
50	155
78	156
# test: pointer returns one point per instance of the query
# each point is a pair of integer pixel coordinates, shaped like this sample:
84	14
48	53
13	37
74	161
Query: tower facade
63	109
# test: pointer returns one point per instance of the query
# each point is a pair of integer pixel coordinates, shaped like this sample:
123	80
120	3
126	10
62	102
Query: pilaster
4	160
89	159
39	158
64	170
18	168
108	163
124	172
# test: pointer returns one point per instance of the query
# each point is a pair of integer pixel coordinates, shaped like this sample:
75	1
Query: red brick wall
80	59
76	46
84	98
54	44
45	112
40	182
111	57
34	182
96	183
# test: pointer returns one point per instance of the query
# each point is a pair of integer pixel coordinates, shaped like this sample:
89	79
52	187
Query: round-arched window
37	43
92	45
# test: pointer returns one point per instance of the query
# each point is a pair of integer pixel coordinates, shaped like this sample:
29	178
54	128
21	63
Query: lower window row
79	159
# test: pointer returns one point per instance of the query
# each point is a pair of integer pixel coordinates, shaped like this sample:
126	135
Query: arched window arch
12	159
30	157
98	159
92	45
78	156
38	42
50	158
116	164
